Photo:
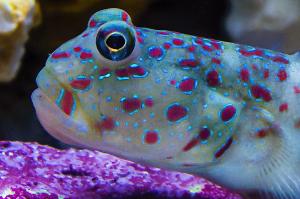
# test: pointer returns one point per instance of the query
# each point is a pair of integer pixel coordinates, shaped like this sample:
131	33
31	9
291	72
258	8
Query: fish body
221	110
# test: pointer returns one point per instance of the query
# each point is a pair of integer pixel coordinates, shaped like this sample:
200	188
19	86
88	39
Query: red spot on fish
149	102
77	49
140	39
283	107
187	85
92	23
67	102
106	123
151	137
281	60
60	55
204	133
191	144
245	53
216	60
221	151
228	113
282	75
163	33
207	48
258	52
212	78
138	32
178	42
85	34
215	44
86	55
81	83
260	92
156	52
199	41
104	71
122	72
244	75
167	45
266	73
188	63
136	70
124	16
176	112
191	48
296	90
261	133
173	82
131	104
131	70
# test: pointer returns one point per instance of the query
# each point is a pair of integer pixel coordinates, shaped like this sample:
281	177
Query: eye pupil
115	41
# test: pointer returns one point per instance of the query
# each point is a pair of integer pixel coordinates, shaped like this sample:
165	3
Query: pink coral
30	170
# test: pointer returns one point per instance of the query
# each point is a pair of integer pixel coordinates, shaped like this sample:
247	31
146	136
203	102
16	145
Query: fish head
136	93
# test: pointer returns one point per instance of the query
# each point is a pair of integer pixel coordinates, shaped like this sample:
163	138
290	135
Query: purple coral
30	170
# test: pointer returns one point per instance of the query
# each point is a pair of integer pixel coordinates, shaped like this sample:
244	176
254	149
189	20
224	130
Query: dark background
17	115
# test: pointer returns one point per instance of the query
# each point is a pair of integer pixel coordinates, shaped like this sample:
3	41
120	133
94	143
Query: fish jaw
52	118
63	126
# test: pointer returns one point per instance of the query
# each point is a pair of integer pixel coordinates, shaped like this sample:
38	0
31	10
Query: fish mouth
57	120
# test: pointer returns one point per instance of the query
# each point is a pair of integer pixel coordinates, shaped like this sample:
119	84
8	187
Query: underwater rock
273	24
16	19
30	170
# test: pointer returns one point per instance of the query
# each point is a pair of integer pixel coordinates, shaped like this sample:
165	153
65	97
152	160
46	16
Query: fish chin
55	121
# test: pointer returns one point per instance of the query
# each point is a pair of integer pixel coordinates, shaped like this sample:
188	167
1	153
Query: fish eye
115	41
